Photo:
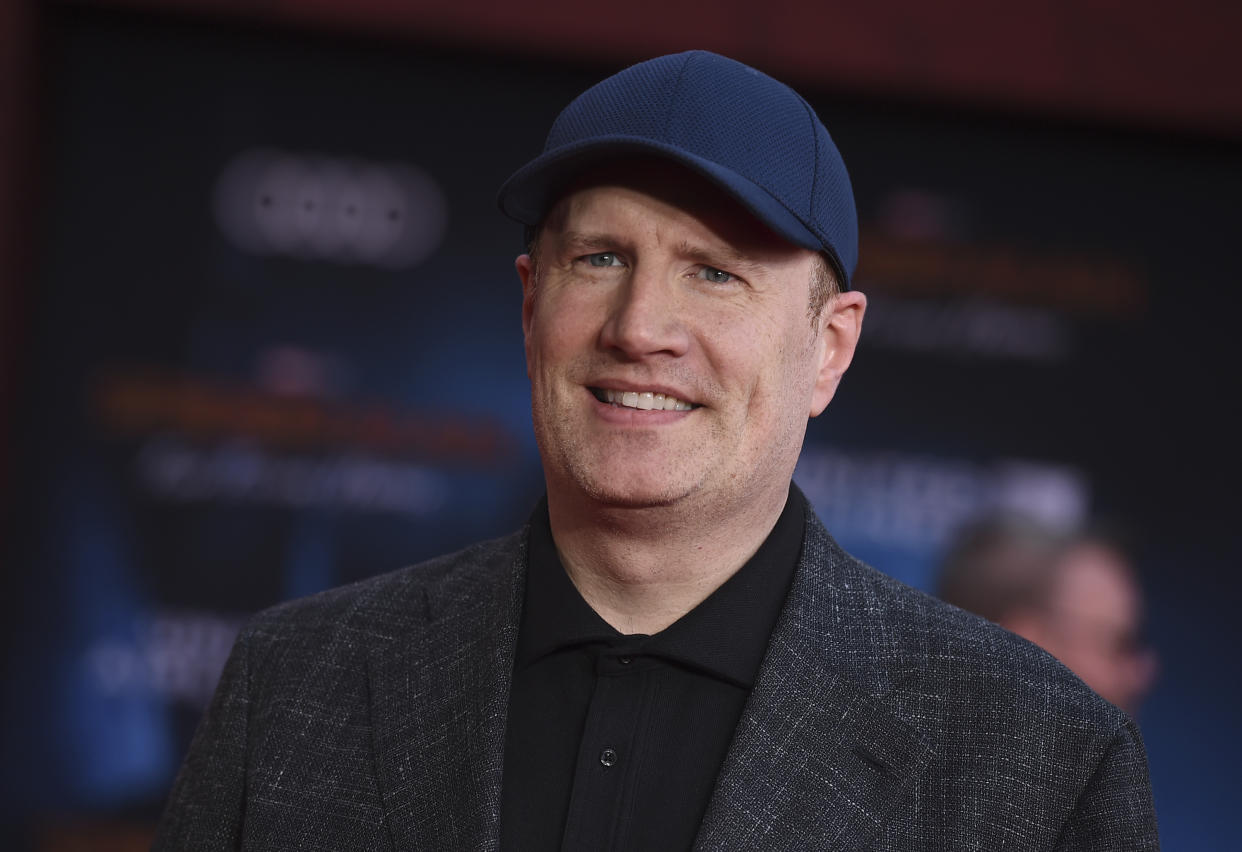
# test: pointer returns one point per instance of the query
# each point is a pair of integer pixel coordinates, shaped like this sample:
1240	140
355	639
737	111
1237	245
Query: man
1074	596
674	652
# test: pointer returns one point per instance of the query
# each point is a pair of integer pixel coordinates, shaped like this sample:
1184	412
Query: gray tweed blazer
373	717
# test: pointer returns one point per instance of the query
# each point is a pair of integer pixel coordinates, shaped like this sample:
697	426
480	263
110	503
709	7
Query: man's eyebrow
588	240
721	253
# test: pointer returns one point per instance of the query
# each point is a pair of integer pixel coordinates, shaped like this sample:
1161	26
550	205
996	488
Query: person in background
1076	596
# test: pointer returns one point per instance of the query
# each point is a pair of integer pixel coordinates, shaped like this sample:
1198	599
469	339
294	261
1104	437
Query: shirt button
625	661
608	757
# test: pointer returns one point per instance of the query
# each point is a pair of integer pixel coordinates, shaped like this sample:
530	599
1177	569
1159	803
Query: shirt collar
726	635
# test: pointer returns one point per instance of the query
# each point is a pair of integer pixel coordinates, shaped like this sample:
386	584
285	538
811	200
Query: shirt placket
611	752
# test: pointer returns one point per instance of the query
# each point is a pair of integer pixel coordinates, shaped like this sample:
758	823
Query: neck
641	569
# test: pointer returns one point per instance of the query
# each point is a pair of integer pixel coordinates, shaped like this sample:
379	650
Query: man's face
669	345
1095	615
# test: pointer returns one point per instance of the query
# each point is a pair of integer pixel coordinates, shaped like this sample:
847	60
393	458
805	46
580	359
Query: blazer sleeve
1115	809
206	806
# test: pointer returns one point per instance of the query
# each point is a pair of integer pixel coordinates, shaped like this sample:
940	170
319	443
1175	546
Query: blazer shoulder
931	648
1014	738
395	602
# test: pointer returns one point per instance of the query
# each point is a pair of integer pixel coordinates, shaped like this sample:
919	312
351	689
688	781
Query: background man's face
647	281
1095	614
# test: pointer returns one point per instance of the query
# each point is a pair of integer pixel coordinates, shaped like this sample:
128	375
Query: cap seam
829	248
810	117
668	116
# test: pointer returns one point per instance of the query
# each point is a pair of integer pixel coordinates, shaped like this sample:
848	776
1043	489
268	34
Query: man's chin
633	492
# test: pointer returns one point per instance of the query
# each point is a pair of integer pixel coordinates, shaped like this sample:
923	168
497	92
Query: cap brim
529	192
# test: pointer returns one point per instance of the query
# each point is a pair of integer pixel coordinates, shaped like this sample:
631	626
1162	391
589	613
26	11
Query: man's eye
604	258
714	275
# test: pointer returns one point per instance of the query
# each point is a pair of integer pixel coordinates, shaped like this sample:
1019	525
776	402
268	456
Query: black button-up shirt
614	741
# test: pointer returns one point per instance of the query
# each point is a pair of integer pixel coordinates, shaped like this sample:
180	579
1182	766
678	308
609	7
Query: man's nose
646	317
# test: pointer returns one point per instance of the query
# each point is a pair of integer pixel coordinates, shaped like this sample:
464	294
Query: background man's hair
998	564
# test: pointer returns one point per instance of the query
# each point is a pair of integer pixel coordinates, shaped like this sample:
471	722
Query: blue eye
604	258
714	275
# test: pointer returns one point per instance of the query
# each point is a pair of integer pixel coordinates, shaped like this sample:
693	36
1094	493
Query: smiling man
673	653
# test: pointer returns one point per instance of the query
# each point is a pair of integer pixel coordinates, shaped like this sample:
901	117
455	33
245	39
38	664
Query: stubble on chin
623	472
638	469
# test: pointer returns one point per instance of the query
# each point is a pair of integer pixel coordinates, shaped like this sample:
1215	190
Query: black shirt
614	741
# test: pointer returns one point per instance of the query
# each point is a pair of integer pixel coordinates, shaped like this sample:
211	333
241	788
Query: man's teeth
645	401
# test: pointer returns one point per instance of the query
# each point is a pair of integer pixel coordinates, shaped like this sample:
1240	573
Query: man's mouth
642	400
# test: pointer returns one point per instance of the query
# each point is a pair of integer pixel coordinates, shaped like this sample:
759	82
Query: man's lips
642	400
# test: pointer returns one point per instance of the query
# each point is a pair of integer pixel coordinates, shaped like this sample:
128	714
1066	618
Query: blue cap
751	135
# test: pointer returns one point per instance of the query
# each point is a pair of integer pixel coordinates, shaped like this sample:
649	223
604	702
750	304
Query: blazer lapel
439	699
817	760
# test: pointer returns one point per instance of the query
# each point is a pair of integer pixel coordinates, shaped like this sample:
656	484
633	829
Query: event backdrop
275	346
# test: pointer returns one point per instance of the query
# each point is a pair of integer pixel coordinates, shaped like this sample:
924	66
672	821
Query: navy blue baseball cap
751	135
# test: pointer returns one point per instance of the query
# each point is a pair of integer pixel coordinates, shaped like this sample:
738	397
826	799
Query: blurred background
259	328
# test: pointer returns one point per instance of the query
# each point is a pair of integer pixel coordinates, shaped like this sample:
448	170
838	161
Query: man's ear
526	271
840	324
